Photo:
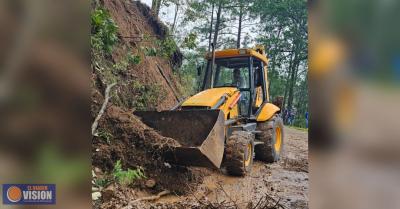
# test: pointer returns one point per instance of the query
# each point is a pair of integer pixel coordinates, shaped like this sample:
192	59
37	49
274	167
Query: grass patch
298	128
126	177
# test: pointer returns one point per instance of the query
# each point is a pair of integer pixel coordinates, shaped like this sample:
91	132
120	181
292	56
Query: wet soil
285	181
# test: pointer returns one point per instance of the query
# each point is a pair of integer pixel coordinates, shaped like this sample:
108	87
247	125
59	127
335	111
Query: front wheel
271	134
239	153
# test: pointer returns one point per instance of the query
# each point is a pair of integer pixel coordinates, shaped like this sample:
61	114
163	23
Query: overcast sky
167	16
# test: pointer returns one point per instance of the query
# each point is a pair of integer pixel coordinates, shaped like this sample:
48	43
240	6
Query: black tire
238	155
268	152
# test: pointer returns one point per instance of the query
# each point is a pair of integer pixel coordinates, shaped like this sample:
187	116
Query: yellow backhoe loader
231	121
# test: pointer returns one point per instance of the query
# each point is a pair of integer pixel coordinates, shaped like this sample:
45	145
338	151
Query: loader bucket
199	132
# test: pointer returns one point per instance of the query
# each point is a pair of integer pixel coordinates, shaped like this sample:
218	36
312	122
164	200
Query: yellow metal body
266	112
240	53
210	97
278	138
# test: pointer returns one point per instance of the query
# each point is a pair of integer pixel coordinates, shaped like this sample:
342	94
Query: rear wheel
272	137
239	153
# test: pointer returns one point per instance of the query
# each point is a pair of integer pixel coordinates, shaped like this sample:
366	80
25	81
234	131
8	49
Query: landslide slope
141	64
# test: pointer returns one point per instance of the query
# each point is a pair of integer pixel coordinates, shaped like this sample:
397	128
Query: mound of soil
137	145
120	134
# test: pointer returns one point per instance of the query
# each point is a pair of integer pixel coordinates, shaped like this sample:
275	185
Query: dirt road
286	181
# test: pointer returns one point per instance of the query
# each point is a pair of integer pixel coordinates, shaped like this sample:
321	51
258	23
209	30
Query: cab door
260	84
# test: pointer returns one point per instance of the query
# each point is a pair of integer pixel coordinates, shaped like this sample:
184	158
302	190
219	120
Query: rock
98	170
95	189
151	183
110	187
107	195
96	195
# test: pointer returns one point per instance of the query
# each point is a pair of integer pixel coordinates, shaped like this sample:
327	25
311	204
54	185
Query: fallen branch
226	194
149	198
103	107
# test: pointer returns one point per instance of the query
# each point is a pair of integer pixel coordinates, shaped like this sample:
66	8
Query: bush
123	64
168	47
146	95
164	48
104	31
190	41
126	177
134	59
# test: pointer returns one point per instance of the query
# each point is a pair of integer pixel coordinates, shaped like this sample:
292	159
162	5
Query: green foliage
102	182
123	64
167	47
150	52
104	31
105	135
190	41
163	48
134	59
126	177
187	73
146	95
300	121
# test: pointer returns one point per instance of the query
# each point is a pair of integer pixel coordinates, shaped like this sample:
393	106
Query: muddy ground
285	182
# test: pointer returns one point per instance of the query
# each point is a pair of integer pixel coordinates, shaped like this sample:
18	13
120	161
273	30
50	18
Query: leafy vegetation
104	31
190	41
102	182
167	47
134	59
146	96
105	135
127	60
126	177
163	47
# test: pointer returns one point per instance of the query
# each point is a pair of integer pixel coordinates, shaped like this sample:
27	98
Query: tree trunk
175	17
287	85
240	27
211	26
293	78
217	23
155	6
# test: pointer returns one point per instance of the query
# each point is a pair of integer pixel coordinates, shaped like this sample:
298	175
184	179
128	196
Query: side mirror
199	68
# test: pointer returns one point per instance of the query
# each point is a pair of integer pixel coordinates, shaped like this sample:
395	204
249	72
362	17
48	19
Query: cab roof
238	53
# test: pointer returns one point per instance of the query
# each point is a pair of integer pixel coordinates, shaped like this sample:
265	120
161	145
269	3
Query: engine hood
209	97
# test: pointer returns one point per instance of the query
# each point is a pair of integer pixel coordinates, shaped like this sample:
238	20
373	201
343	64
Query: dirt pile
136	145
149	84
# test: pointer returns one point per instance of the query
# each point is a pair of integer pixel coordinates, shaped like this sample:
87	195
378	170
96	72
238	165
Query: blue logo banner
29	194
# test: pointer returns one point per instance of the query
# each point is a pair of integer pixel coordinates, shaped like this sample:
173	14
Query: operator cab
240	70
